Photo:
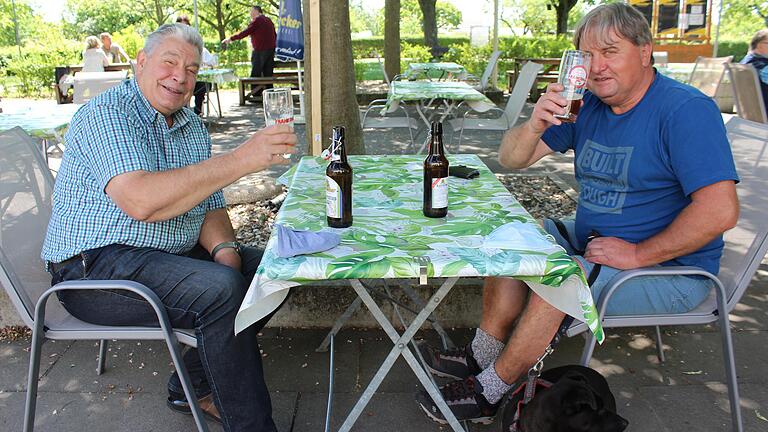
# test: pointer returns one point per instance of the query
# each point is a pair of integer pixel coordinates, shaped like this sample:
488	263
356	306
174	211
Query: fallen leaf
697	372
760	416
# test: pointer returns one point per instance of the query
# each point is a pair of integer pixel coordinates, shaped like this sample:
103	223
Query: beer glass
278	108
574	72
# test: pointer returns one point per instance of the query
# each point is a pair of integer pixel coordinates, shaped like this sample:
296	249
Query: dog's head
570	405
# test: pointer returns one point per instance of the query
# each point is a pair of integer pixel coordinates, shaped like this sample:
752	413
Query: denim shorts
641	295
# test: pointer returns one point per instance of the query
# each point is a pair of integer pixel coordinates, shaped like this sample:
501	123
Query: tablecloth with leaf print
417	70
389	231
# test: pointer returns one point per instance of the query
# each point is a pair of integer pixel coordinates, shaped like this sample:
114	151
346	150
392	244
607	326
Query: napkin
517	235
292	242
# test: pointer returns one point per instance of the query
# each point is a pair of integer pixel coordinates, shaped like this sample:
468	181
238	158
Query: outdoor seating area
208	223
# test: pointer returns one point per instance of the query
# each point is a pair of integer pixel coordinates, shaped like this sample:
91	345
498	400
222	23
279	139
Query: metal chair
745	247
26	187
383	121
511	111
707	74
746	90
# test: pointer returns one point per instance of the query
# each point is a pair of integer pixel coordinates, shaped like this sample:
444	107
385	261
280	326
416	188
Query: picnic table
47	123
425	93
446	70
548	74
214	77
391	239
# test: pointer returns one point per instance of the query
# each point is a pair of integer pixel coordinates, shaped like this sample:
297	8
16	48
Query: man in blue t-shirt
657	183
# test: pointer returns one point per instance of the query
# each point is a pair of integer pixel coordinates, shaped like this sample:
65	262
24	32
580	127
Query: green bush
738	49
31	74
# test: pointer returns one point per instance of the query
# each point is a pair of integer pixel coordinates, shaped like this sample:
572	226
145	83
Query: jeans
197	293
644	295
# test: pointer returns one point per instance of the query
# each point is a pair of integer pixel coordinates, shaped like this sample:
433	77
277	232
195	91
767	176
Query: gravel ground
539	195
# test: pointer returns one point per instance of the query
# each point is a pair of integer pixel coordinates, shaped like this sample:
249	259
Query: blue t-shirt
638	169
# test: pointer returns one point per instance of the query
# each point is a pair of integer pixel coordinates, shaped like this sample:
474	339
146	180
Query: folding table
447	70
391	239
425	92
47	123
214	77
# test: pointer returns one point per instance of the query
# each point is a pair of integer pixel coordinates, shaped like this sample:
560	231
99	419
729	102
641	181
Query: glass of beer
574	72
278	108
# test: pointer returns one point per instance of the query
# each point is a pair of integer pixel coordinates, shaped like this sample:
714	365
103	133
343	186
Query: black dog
578	400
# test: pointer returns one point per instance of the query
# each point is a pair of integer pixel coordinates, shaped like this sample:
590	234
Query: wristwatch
233	244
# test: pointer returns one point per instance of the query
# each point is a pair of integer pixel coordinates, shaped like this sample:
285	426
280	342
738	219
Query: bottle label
439	192
332	198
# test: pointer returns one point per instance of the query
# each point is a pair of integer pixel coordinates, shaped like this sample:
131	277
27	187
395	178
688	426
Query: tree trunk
562	8
429	25
392	37
337	75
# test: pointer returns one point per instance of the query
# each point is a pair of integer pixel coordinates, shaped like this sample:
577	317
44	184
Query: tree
89	17
25	17
529	17
562	8
157	10
222	16
337	74
392	37
742	18
429	22
411	17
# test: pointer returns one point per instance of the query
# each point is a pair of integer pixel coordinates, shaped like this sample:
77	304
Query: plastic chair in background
511	111
745	248
26	187
707	74
747	92
481	85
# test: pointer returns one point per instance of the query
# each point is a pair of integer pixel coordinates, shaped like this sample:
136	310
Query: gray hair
182	31
91	42
760	36
622	18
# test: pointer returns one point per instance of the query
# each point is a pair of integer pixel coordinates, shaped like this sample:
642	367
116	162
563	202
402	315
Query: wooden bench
278	78
548	74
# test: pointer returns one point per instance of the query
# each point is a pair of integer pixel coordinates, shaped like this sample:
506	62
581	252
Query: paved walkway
686	393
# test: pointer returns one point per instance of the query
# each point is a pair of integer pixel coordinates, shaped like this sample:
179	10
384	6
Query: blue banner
290	33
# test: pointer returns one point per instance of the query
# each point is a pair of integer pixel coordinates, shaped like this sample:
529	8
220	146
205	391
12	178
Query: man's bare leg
535	330
503	300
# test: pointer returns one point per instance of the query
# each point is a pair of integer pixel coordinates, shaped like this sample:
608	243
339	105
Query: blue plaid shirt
118	132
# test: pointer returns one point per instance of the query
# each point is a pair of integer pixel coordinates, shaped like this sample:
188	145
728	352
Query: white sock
494	388
486	348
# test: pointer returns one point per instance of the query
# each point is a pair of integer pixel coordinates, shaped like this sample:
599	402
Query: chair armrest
620	278
126	285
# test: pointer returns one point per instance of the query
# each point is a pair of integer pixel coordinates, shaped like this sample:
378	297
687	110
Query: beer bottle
436	175
338	184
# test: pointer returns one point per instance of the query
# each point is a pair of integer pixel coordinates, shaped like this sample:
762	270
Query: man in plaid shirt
138	197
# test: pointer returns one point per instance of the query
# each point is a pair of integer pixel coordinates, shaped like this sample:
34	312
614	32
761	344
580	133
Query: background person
114	52
263	40
138	197
201	88
657	181
758	57
94	59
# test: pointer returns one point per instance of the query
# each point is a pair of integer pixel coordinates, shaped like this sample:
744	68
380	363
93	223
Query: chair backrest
707	74
520	92
486	76
88	85
747	243
26	187
747	92
660	58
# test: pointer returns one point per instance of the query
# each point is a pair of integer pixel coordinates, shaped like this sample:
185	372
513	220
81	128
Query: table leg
218	100
351	309
447	342
401	348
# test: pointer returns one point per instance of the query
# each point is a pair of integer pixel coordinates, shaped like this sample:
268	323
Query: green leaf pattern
389	231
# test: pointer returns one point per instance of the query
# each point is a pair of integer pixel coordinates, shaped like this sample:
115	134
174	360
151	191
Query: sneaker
464	398
456	363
